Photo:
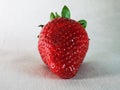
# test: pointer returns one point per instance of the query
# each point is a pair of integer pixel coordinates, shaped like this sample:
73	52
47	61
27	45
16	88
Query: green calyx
65	13
83	23
40	25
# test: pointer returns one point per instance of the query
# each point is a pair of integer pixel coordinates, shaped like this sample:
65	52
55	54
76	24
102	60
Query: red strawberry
63	44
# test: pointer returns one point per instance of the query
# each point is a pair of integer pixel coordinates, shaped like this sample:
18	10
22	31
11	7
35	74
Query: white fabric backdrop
21	67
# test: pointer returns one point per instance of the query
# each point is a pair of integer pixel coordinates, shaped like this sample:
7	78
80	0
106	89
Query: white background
21	67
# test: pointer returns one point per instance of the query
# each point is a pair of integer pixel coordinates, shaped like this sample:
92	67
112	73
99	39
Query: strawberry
63	43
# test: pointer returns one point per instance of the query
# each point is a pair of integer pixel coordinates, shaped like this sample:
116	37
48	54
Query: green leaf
40	25
65	12
83	23
52	16
57	15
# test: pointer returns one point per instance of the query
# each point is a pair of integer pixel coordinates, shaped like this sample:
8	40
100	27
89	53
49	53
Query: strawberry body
63	44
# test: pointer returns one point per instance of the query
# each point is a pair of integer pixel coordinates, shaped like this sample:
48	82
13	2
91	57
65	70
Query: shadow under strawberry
29	65
96	69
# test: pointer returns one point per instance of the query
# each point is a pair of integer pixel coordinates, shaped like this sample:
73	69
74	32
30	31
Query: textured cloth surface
21	67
